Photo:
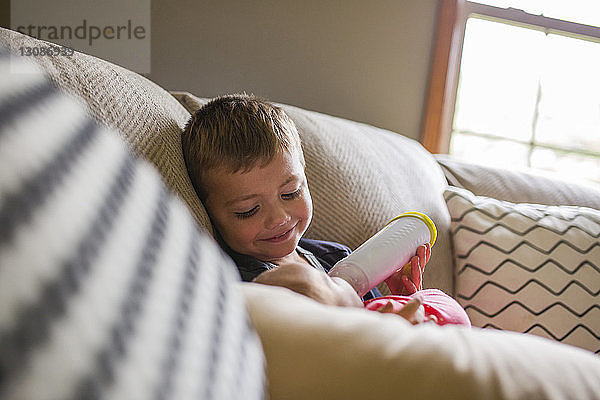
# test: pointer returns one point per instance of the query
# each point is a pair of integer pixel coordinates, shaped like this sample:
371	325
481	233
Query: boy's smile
263	212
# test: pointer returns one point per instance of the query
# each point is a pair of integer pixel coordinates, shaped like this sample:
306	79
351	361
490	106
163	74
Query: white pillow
324	352
528	267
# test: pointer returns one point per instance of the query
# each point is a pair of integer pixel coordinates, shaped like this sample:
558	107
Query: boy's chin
282	250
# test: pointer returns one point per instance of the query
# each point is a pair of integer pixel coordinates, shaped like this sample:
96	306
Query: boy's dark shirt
327	253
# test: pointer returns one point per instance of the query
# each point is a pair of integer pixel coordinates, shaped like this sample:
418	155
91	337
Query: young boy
246	163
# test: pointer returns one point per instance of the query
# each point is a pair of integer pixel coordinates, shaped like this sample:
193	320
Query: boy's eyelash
286	196
246	214
293	195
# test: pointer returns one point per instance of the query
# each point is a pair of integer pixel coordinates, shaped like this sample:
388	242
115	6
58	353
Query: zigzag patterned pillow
107	287
528	268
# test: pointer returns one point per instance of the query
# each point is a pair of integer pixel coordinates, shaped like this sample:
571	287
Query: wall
367	61
363	60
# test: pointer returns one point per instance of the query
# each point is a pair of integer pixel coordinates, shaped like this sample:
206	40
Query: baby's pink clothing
435	302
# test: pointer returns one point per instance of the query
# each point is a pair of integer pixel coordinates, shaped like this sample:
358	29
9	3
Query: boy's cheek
245	231
233	230
308	201
309	208
238	240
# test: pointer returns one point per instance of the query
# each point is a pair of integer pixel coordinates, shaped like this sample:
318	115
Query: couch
520	252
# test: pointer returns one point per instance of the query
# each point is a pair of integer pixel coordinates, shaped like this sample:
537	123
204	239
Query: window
521	86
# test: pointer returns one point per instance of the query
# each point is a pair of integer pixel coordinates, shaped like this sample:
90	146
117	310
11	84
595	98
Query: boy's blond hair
237	132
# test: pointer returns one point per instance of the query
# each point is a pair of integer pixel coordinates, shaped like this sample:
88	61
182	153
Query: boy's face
263	212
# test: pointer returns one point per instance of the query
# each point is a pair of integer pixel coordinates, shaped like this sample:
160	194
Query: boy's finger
410	287
427	252
387	308
416	273
422	252
410	309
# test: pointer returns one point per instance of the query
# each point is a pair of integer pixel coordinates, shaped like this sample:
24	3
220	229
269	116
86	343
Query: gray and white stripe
107	287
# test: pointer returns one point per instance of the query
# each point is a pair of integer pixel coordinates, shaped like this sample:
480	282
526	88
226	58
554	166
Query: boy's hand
409	279
312	283
411	311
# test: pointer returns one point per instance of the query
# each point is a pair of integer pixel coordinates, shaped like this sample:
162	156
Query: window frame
452	16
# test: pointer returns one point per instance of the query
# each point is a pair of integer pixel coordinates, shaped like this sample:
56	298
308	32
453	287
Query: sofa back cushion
146	116
517	186
108	289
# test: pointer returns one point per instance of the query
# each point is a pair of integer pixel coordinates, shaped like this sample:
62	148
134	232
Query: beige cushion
361	176
528	267
190	102
145	115
322	352
517	186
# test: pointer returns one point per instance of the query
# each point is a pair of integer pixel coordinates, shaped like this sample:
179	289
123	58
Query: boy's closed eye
293	195
286	196
247	214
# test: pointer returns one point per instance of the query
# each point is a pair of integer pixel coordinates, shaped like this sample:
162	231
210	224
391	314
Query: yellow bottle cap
422	217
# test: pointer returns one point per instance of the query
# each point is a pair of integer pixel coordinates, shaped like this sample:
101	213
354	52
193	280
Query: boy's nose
278	217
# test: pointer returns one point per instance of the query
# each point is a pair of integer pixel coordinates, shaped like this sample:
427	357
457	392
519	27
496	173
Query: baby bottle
385	252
